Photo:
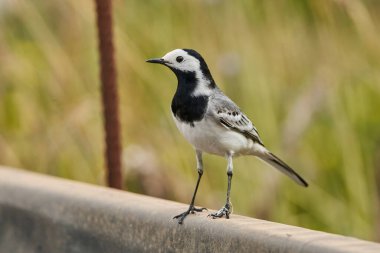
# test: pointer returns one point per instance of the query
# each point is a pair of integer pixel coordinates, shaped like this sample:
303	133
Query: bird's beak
157	60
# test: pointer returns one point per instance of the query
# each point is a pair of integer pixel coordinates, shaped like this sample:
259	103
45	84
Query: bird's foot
224	211
192	209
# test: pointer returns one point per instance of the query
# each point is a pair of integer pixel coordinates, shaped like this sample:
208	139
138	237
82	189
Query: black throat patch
186	107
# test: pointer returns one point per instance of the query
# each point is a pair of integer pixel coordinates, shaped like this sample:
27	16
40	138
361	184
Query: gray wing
229	115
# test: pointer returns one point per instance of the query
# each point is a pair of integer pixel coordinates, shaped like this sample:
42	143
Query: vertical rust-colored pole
109	93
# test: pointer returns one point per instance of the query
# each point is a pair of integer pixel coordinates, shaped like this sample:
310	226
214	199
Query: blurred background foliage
306	72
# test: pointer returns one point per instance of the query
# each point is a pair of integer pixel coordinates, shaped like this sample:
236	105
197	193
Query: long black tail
276	162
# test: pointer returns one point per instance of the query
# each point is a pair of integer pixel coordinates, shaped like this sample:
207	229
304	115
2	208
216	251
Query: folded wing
230	116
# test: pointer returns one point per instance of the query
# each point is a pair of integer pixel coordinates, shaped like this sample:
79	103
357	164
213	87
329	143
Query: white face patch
181	60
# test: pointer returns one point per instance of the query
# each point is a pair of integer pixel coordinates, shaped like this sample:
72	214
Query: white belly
211	137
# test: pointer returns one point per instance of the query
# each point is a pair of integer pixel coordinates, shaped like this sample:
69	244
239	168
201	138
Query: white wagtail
212	122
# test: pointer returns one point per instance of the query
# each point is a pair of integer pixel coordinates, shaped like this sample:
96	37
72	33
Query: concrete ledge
40	213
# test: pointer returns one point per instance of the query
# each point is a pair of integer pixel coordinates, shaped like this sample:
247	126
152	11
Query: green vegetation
306	72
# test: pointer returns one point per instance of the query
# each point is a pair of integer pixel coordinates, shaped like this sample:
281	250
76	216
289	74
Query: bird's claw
224	211
191	210
198	209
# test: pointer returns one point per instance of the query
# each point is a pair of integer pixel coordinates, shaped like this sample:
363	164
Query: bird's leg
192	208
227	209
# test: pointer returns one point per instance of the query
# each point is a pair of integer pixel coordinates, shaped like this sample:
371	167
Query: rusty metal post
109	93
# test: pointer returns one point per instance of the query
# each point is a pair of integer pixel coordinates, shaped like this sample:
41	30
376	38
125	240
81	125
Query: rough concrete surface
39	213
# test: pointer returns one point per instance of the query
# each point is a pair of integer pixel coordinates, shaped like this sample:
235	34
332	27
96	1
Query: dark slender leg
228	202
227	209
193	209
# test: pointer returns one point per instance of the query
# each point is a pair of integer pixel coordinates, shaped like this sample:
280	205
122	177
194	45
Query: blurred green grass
306	72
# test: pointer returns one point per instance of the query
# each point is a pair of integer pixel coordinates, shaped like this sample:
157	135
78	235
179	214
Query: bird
213	123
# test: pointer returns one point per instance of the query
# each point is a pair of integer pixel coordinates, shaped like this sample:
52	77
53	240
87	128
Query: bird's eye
179	59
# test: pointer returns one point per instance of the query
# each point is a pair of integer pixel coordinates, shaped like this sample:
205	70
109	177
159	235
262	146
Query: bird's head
183	61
